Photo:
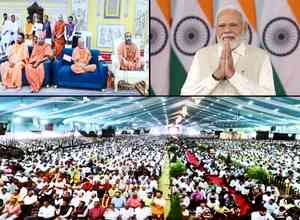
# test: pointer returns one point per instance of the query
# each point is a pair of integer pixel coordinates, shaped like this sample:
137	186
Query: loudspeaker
83	133
137	131
284	136
3	128
92	134
262	135
108	132
218	133
146	130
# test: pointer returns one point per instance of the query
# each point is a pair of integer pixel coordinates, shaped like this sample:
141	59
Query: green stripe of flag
277	82
177	74
278	85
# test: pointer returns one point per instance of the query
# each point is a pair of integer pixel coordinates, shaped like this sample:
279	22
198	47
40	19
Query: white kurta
252	76
5	33
14	31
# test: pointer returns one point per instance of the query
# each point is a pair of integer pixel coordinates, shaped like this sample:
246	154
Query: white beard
233	43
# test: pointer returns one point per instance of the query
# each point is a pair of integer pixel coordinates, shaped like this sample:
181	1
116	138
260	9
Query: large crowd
117	178
281	159
114	178
215	189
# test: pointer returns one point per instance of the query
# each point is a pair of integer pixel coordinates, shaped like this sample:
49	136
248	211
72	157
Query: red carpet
245	207
216	180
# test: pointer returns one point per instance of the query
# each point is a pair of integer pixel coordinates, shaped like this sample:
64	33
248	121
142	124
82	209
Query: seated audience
216	185
117	177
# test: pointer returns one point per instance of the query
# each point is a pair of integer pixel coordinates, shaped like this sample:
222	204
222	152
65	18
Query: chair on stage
128	76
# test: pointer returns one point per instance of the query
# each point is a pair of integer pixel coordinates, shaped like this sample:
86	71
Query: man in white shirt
261	215
142	212
126	213
5	31
230	67
271	206
29	201
47	211
111	213
153	184
200	209
30	198
14	28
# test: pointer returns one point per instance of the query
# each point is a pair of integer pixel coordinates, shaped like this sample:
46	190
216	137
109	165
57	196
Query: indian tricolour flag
279	32
191	30
248	9
160	22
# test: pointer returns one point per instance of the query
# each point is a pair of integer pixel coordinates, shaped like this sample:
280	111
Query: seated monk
129	55
81	57
11	70
35	72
